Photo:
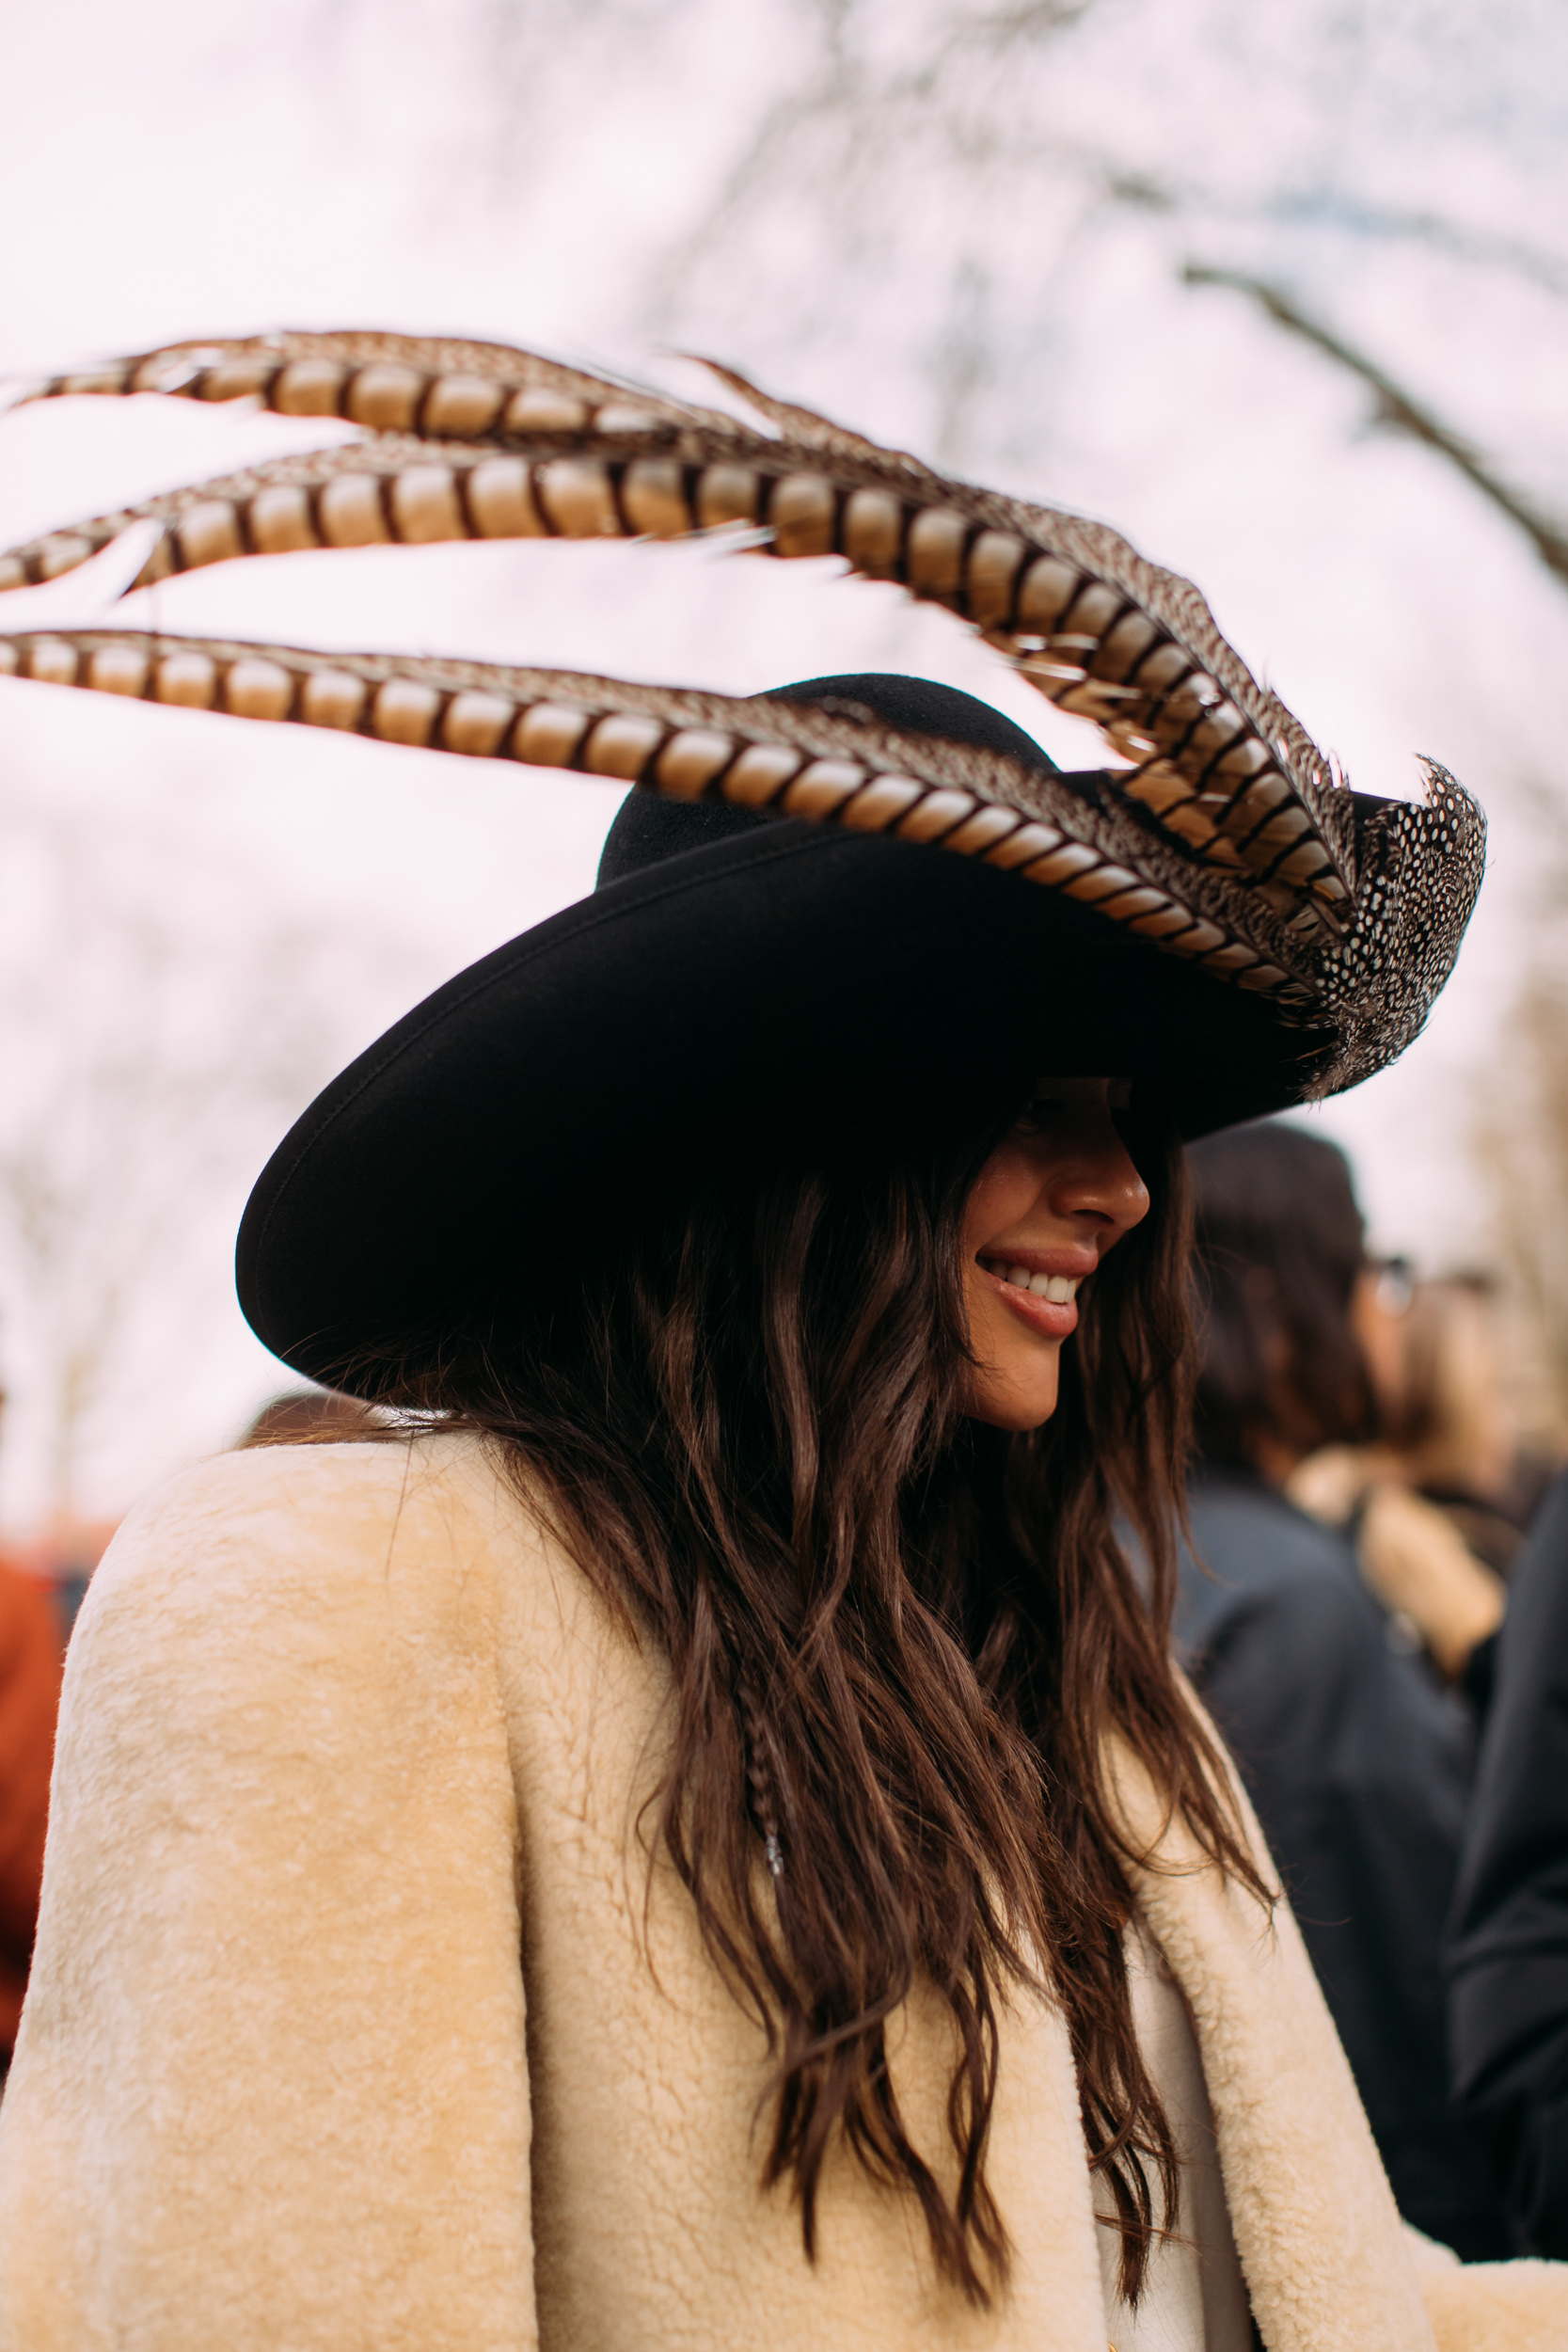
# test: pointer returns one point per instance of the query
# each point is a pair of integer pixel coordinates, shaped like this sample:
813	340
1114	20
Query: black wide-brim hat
726	964
857	885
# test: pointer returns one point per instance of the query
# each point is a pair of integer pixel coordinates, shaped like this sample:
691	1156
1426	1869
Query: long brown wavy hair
898	1637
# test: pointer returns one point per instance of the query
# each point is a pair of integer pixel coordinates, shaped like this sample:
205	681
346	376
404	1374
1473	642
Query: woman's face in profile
1058	1191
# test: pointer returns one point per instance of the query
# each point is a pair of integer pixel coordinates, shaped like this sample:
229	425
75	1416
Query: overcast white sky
968	243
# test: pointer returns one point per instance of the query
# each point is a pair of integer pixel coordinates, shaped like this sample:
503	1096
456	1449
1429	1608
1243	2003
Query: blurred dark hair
1280	1243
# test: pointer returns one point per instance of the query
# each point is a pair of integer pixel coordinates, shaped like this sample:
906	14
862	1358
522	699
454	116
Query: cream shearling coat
343	1734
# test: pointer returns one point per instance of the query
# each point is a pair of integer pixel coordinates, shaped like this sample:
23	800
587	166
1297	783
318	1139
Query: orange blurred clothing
30	1666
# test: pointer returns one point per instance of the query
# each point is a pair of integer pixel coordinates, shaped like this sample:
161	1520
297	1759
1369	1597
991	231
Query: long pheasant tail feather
825	766
482	440
395	490
806	427
439	386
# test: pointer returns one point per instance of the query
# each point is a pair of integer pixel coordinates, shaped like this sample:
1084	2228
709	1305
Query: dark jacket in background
1359	1765
1509	1996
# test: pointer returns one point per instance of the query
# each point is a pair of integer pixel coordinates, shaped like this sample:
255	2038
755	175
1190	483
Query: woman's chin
1014	1400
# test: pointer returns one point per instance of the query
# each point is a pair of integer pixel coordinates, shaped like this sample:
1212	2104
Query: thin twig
1397	408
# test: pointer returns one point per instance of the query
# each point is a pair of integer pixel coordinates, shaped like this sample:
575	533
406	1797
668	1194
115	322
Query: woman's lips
1025	1279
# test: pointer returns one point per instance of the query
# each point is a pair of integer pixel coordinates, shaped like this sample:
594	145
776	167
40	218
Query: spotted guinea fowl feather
550	451
834	763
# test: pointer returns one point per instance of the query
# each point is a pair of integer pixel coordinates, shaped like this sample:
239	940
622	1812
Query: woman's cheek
1007	1189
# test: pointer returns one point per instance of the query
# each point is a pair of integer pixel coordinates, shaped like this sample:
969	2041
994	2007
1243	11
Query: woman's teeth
1060	1289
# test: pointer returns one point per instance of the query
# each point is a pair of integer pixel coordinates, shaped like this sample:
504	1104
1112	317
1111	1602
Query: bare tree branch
1398	408
860	117
1355	216
1343	214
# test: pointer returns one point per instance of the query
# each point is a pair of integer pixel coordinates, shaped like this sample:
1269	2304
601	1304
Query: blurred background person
31	1656
1508	1960
1355	1754
1448	1413
30	1662
1443	1498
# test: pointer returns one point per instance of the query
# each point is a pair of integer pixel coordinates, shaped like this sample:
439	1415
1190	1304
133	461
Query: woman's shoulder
274	1604
315	1537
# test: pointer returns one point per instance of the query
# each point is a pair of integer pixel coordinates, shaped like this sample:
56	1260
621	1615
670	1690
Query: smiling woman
703	1843
1054	1196
748	1392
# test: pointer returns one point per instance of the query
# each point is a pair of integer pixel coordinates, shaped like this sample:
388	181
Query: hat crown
649	828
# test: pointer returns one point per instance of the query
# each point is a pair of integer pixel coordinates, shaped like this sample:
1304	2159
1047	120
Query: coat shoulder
285	1550
331	1487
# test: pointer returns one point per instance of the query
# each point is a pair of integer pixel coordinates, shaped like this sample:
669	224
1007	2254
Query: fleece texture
344	1735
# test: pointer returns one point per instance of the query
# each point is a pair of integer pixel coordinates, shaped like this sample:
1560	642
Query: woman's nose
1096	1178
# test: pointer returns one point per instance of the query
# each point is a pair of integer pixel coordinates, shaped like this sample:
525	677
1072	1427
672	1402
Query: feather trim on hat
1228	838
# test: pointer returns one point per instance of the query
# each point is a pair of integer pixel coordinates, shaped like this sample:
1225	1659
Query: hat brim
764	970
